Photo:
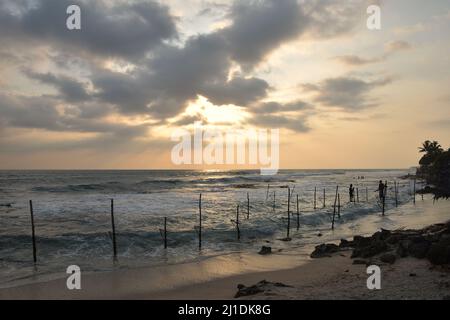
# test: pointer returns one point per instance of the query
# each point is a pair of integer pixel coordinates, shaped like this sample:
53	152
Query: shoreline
334	277
218	277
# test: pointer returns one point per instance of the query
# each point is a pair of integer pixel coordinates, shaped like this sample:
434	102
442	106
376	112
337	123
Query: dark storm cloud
238	91
42	113
70	89
296	123
28	112
348	93
126	30
164	82
259	27
175	75
293	115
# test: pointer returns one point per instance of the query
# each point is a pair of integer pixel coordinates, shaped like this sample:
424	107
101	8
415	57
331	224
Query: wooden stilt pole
367	194
298	215
200	222
357	194
324	198
113	229
339	205
315	199
334	207
237	224
414	191
274	200
165	232
288	213
33	236
396	193
248	206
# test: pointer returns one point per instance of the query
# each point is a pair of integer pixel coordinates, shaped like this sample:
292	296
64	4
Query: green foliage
435	167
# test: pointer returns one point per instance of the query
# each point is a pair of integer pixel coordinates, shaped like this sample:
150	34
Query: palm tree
430	147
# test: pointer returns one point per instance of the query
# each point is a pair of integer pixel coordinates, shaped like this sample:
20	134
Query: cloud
297	124
165	74
239	91
390	48
124	29
259	27
347	93
276	107
395	46
352	60
70	89
292	115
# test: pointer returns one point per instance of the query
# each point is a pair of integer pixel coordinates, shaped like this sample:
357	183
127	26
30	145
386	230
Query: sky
109	96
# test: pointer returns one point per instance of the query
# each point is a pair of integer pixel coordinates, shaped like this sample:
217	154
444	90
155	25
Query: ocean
73	221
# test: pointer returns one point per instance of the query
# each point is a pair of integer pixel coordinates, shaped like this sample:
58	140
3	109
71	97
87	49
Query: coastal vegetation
435	168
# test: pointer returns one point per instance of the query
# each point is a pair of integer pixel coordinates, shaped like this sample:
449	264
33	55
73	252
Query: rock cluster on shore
432	243
260	287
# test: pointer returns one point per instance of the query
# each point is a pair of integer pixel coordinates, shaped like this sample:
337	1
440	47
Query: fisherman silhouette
381	189
351	192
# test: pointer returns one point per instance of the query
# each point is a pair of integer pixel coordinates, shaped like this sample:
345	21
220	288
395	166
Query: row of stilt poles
163	232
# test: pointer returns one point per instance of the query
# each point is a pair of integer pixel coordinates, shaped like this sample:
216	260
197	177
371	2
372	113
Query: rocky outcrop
265	250
324	250
262	286
432	243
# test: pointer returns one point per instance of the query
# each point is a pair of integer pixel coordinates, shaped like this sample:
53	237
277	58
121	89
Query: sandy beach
328	278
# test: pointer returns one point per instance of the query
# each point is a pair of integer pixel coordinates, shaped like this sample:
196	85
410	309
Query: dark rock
381	235
419	250
388	258
393	239
319	234
359	261
346	244
265	250
413	275
371	250
402	249
324	250
360	241
439	253
261	286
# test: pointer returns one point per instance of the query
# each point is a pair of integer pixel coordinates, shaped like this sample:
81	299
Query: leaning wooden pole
113	225
33	235
334	208
238	231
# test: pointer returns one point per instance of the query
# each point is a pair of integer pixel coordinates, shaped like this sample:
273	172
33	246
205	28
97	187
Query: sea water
73	221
